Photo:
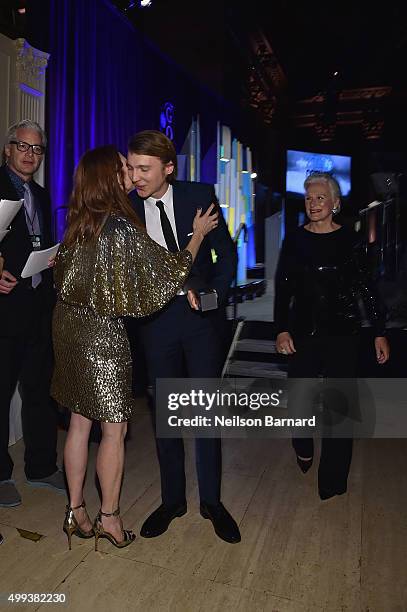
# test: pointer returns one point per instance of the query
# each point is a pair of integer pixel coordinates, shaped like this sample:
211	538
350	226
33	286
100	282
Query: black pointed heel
304	464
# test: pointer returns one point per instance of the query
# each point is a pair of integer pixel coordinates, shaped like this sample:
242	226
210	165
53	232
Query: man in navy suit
181	341
26	306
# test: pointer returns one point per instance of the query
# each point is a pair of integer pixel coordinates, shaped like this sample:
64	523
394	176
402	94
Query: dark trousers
27	358
181	343
331	357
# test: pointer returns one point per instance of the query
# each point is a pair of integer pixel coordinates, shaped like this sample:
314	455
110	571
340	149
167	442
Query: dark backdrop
106	81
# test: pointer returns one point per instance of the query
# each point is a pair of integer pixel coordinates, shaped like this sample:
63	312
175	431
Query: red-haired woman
106	268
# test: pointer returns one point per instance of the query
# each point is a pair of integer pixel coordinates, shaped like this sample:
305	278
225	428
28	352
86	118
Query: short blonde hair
325	177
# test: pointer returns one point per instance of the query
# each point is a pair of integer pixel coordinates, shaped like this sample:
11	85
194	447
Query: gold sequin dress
123	273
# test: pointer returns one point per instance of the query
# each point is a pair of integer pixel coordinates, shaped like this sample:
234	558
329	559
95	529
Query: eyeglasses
24	147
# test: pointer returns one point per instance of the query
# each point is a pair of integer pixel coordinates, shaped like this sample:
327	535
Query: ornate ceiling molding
364	107
366	93
266	80
31	64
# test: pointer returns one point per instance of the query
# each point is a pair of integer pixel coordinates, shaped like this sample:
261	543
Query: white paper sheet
38	261
3	233
8	210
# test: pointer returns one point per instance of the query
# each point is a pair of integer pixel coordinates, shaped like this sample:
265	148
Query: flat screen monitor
301	163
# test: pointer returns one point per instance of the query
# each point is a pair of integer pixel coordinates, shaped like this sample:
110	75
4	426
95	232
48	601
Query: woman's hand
51	261
205	223
285	344
382	348
202	225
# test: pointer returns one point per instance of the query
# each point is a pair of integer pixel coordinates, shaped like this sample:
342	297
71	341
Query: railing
242	228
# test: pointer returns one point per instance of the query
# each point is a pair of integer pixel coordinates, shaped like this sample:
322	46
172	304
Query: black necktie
167	229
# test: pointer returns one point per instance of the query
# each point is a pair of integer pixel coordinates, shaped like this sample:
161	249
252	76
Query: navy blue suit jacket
187	197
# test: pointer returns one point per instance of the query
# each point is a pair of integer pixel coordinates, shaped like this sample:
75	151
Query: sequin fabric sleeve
125	273
365	287
58	270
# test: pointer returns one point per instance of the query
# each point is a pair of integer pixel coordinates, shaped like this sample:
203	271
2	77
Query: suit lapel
8	192
182	214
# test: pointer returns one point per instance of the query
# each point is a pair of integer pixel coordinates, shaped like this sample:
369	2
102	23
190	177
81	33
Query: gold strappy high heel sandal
71	526
100	532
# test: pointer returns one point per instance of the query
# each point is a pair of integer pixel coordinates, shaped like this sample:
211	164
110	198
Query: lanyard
30	220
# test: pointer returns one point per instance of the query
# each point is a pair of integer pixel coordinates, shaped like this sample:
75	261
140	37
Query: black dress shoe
328	493
159	521
224	524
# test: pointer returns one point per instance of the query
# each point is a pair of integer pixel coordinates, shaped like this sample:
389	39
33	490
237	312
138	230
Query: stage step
258	271
253	352
255	369
256	345
258	330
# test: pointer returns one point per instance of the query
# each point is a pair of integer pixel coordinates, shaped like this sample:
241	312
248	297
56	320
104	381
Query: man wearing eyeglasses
25	317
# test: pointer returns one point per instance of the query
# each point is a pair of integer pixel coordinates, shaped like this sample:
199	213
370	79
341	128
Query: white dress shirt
153	222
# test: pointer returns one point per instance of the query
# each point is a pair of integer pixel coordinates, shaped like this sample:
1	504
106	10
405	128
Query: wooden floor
297	553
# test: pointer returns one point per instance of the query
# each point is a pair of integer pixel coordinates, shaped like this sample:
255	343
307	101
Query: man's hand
285	344
193	299
382	349
7	283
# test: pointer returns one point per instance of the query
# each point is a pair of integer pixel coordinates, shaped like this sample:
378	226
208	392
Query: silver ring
283	352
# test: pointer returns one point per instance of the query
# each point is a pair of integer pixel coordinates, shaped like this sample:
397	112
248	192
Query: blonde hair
325	177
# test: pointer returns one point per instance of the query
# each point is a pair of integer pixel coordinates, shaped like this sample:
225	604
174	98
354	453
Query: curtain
106	82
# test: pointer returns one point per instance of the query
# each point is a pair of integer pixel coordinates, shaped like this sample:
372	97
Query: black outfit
319	281
180	342
25	340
